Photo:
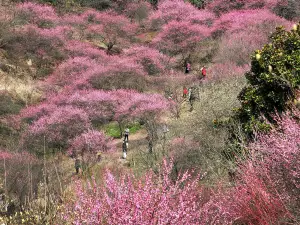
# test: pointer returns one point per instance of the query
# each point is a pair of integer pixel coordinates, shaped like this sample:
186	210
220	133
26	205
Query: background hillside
74	74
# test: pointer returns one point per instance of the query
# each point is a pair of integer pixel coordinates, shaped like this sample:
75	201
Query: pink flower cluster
152	200
38	13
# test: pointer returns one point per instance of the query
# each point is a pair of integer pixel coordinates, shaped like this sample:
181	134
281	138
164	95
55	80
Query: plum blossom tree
138	11
99	105
56	129
173	10
88	144
83	49
41	15
128	201
221	6
152	60
44	47
72	69
251	26
65	115
233	50
221	71
260	21
119	74
281	152
179	11
180	38
266	185
110	28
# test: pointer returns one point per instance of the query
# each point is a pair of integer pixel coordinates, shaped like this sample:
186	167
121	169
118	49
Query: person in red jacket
203	72
185	92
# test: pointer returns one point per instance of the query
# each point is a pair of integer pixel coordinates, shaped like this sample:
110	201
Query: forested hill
149	112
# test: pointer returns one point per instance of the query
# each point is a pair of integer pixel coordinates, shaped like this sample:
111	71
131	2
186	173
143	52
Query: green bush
273	80
8	105
289	10
198	3
113	129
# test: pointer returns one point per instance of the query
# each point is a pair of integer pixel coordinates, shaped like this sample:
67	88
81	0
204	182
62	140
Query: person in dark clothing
124	149
150	143
187	67
126	134
77	165
191	98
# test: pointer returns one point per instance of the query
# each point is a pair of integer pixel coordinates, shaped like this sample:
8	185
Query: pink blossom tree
180	38
281	159
128	201
110	28
180	11
84	49
72	69
249	26
259	21
88	144
41	15
266	185
152	60
221	6
138	11
119	74
56	129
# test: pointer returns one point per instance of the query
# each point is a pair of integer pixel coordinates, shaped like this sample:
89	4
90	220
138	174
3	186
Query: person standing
203	72
126	134
124	149
191	99
185	92
187	67
77	165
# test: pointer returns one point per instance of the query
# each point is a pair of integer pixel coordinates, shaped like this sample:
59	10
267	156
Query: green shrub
198	3
119	80
97	4
272	81
113	129
289	10
8	105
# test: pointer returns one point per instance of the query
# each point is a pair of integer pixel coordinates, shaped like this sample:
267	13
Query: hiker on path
185	92
124	149
126	134
150	144
99	156
187	67
77	165
203	72
191	98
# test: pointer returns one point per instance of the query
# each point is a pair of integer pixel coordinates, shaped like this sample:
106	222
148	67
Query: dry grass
22	88
217	99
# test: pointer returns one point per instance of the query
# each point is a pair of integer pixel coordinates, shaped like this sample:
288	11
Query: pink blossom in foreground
266	186
151	200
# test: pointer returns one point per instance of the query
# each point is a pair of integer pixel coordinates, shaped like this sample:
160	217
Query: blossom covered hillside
138	112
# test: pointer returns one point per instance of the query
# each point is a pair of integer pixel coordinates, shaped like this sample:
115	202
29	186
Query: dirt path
137	142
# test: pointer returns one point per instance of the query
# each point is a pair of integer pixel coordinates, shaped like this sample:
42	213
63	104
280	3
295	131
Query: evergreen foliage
272	81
